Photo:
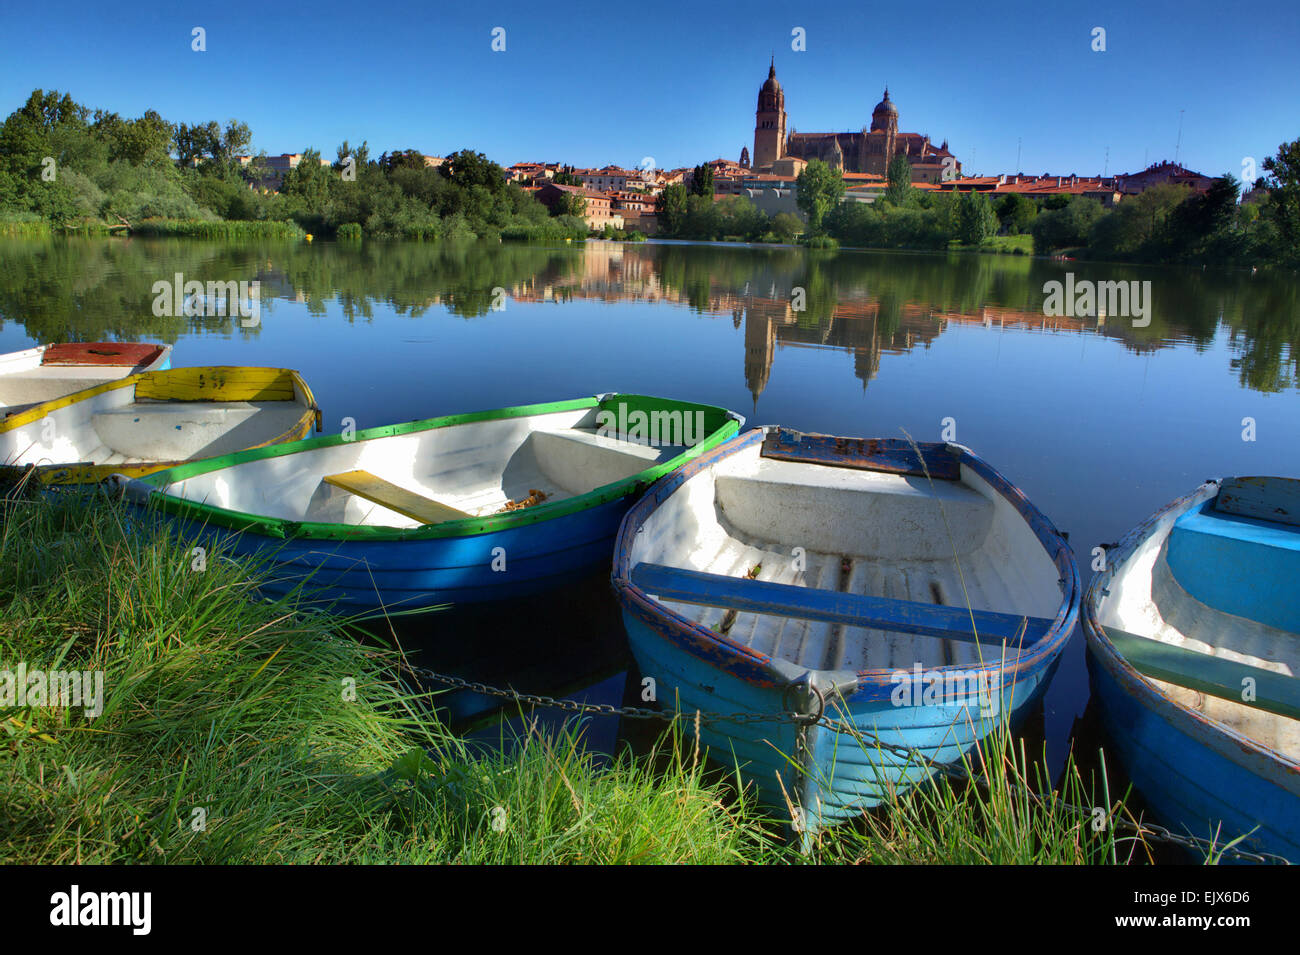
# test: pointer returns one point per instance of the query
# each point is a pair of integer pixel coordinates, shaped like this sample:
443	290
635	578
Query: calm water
1099	422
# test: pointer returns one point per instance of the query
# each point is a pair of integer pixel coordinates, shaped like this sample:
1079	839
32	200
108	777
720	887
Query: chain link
1147	831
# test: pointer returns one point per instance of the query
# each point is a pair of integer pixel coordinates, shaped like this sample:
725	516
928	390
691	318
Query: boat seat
851	511
1274	692
1239	565
831	606
581	461
386	494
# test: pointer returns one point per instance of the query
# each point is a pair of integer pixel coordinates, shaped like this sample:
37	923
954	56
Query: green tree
899	174
467	168
975	218
820	189
786	226
1283	183
702	181
1016	213
671	208
1066	227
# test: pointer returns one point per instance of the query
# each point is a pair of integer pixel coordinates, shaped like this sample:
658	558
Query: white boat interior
115	428
876	534
463	470
1146	599
25	381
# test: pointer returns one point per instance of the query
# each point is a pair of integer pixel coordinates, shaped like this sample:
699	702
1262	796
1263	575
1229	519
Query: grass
237	730
299	742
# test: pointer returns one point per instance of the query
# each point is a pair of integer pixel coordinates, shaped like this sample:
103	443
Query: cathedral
868	151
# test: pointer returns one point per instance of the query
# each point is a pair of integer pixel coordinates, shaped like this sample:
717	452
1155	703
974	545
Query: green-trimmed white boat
462	508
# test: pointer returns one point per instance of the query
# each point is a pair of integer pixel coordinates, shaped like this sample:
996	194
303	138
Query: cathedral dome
886	105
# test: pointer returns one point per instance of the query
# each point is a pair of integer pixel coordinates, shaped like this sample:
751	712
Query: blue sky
598	83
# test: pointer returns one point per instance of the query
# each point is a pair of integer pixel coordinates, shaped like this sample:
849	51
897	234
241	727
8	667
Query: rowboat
909	593
153	420
454	509
46	372
1193	633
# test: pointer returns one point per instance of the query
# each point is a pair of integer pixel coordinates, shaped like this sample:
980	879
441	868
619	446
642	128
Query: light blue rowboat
908	591
1193	634
456	509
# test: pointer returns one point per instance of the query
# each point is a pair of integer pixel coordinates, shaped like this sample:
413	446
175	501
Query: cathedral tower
769	122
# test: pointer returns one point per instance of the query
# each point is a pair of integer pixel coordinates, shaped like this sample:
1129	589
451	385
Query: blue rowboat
908	592
455	509
1193	633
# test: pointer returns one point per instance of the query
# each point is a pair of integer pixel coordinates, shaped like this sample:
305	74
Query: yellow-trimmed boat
154	420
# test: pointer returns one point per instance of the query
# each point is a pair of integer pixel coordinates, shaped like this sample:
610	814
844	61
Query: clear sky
591	84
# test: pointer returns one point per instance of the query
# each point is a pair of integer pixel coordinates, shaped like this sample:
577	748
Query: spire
771	70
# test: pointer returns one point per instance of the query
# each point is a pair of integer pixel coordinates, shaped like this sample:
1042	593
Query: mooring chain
602	709
1147	830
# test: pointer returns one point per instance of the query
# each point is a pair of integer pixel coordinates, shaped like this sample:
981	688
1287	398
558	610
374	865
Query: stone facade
868	151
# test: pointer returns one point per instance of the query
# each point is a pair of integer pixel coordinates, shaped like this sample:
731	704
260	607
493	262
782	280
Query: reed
204	229
24	226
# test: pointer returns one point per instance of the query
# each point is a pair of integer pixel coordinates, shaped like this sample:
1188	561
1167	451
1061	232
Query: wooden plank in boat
109	354
1263	498
831	606
1274	692
374	488
890	455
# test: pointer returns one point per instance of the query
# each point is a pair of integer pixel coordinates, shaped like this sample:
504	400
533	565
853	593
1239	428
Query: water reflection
869	304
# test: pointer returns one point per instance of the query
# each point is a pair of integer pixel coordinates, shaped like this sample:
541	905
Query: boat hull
416	560
1196	776
844	772
828	773
405	575
1192	777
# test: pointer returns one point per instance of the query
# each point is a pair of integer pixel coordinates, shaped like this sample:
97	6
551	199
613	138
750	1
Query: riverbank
234	730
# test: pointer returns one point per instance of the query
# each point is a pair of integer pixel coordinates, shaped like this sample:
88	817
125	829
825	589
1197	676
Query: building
1159	174
612	178
599	211
867	151
1105	190
278	166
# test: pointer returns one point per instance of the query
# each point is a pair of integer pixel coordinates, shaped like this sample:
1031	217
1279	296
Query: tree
899	174
975	218
565	177
671	208
1283	183
1068	226
786	226
309	182
402	159
469	168
570	204
359	155
1016	213
1202	221
194	143
702	181
820	190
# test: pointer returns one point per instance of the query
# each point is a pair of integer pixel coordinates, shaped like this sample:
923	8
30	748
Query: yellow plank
399	499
